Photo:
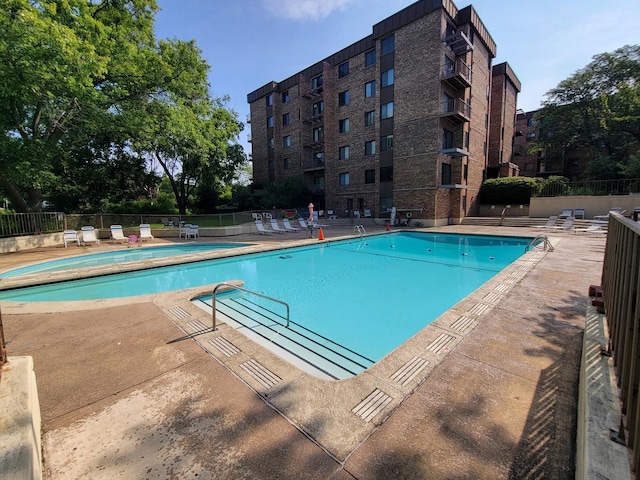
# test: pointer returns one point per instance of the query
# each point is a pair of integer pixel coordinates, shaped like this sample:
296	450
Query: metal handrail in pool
236	287
547	243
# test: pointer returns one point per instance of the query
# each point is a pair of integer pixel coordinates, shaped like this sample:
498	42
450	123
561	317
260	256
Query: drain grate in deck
224	346
409	370
479	309
179	313
375	402
440	343
463	323
261	374
197	326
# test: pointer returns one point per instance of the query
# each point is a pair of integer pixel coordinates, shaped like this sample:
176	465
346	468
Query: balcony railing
457	74
457	109
314	92
459	43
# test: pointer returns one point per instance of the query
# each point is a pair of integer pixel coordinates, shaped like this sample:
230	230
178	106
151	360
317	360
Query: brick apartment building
398	119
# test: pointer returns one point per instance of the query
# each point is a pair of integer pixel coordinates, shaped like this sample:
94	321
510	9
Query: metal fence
17	224
621	291
591	187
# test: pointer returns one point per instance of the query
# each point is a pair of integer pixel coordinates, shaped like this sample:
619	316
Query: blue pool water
119	256
369	295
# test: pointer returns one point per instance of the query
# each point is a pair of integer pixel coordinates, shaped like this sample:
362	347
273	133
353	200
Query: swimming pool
365	296
118	256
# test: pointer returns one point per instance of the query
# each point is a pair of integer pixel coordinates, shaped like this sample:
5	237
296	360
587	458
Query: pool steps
319	352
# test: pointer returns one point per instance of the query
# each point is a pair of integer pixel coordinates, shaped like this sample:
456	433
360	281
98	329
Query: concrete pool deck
124	393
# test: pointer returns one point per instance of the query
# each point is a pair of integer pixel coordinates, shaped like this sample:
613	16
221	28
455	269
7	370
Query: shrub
507	190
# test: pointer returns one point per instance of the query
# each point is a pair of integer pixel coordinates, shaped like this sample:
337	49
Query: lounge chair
302	223
89	235
166	222
262	230
566	213
550	222
579	213
591	229
288	227
367	213
276	228
566	225
69	236
117	234
606	217
145	232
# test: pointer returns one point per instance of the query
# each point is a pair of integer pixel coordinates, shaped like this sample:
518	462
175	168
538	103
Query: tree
596	113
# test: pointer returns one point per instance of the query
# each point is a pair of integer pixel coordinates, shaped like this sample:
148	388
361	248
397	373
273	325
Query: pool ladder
231	286
547	244
359	230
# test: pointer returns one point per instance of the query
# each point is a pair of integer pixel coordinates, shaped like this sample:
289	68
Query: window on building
448	103
343	153
285	97
344	179
386	78
343	69
369	176
530	122
286	141
343	98
316	81
369	118
318	134
531	135
447	138
270	99
269	122
271	143
386	174
285	164
448	66
318	159
370	147
386	203
528	167
386	143
270	165
370	89
369	58
446	174
343	125
286	119
466	140
465	171
318	184
318	108
386	110
388	45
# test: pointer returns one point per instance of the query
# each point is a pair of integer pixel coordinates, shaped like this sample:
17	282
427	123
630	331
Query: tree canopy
595	113
86	90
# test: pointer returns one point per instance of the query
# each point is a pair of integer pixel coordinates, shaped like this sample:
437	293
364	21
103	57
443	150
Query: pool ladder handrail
236	287
359	230
545	239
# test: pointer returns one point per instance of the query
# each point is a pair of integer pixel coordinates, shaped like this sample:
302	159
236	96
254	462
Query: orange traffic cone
388	227
320	235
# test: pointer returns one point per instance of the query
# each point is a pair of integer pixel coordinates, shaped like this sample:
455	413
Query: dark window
369	118
386	110
286	141
285	164
286	119
530	122
344	178
318	134
369	176
370	58
388	45
343	125
270	166
370	147
343	98
270	99
446	174
343	153
531	135
318	108
316	82
271	143
386	174
343	69
370	89
386	78
386	143
447	138
269	122
285	97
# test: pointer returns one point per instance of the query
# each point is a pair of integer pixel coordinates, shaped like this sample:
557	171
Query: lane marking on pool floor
375	402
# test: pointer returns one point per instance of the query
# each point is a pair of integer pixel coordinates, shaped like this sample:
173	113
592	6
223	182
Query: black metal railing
591	187
18	224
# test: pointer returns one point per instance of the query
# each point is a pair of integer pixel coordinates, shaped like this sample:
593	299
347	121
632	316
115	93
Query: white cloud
304	9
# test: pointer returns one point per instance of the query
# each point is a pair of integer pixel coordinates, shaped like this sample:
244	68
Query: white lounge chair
566	225
579	213
69	236
89	235
302	223
566	213
145	232
550	222
288	227
262	230
276	228
591	229
117	234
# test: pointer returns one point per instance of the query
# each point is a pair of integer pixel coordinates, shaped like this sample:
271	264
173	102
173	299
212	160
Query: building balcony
459	43
458	74
314	92
457	110
314	118
315	145
454	152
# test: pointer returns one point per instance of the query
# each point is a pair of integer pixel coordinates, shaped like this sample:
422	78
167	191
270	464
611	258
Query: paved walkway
123	397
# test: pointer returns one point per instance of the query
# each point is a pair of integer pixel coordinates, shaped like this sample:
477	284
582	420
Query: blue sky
248	43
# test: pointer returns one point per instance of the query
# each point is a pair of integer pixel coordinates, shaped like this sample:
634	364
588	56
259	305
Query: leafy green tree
596	113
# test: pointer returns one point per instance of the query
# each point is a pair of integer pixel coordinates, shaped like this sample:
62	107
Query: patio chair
275	227
367	213
288	227
566	213
145	232
191	231
262	230
117	234
69	236
89	235
619	210
595	229
566	225
550	222
166	222
302	223
579	213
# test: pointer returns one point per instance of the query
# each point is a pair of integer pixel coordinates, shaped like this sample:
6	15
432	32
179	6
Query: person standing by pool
310	213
